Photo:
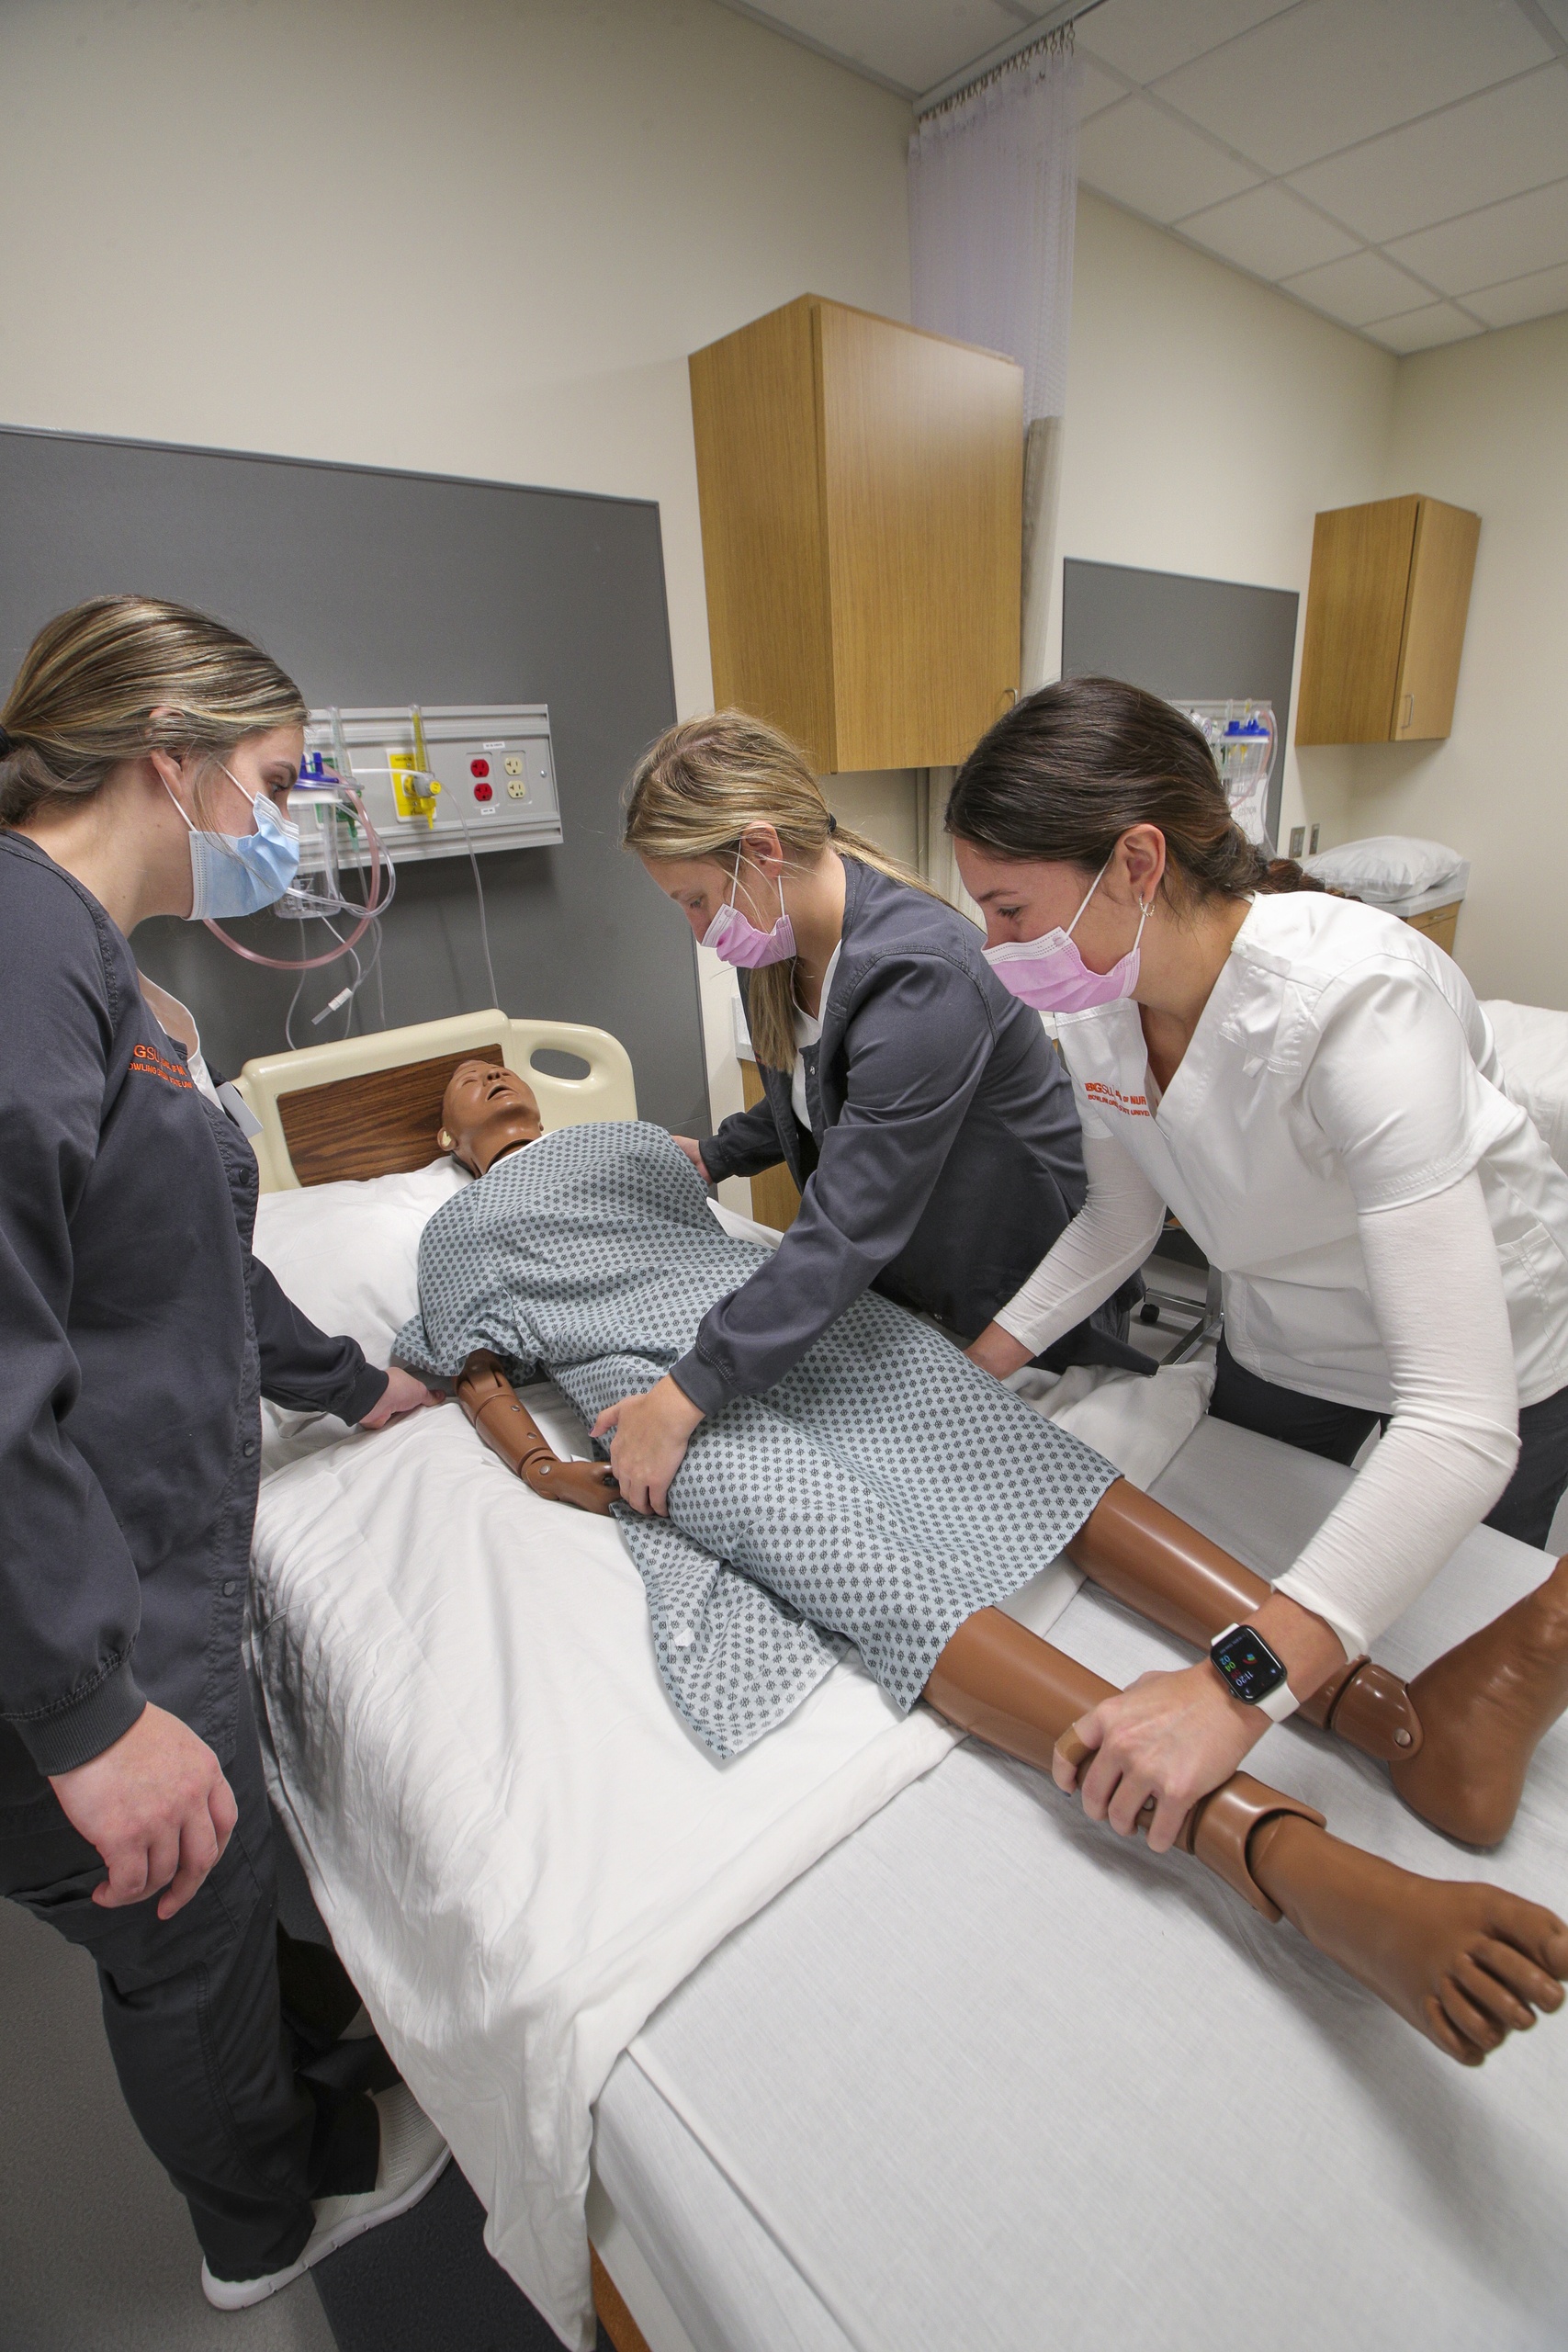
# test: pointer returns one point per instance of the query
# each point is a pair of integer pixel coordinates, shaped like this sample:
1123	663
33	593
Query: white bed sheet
517	1848
985	2076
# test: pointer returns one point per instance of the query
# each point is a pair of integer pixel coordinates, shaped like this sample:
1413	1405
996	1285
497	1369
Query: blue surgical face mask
239	874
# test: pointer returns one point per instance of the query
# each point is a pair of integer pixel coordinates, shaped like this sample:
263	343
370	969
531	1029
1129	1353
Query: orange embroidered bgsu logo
151	1063
1132	1106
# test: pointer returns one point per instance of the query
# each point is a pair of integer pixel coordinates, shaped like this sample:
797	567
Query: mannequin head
486	1112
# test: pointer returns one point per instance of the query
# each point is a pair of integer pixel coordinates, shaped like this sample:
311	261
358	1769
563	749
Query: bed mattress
985	2076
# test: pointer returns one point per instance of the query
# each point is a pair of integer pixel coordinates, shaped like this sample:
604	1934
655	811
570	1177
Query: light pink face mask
1049	974
735	938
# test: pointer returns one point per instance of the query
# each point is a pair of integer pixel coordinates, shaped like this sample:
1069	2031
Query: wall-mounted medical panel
437	781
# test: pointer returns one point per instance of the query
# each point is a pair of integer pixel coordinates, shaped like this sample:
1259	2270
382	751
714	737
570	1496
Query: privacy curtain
993	189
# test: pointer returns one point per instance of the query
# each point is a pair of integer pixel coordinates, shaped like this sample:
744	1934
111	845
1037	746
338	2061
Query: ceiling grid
1399	166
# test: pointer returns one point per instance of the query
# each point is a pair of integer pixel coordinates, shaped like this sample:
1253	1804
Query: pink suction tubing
314	962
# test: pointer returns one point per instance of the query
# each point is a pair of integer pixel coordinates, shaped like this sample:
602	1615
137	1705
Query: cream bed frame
362	1128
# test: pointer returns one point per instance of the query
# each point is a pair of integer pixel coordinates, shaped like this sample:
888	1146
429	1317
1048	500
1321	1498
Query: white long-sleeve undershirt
1449	1450
1450	1447
1122	1219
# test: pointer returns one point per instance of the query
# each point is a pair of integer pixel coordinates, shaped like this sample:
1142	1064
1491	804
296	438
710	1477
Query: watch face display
1249	1665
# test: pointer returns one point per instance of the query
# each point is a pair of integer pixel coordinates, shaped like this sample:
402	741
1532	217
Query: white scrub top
1342	1064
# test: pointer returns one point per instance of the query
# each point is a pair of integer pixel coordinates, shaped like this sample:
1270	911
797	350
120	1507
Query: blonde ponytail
698	791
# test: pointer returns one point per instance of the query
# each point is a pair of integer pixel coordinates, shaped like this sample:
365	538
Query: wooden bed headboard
371	1106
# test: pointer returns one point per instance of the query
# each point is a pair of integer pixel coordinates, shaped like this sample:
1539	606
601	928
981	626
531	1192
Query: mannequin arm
491	1402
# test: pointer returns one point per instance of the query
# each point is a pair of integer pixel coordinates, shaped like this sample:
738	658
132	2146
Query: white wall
1208	420
1484	425
479	237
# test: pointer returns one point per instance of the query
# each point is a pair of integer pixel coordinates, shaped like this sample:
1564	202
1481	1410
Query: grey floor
97	2252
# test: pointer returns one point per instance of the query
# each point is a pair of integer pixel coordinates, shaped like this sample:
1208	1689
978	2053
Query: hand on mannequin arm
404	1393
651	1434
157	1807
1446	1458
1120	1220
693	1152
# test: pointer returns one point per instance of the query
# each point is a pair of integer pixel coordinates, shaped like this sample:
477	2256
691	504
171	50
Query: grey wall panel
377	587
1202	640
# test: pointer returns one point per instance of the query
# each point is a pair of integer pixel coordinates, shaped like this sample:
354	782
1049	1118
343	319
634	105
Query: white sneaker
413	2156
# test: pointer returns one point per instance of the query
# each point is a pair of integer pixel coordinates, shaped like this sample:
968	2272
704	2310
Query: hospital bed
884	2045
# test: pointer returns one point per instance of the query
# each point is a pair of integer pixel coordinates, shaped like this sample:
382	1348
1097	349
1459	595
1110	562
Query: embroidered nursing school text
1110	1098
152	1064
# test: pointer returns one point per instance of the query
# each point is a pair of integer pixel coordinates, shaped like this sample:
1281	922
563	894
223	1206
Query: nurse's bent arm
1120	1222
919	1038
70	1596
743	1144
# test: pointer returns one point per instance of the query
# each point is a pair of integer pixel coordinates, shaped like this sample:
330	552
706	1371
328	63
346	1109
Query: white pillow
348	1257
1387	866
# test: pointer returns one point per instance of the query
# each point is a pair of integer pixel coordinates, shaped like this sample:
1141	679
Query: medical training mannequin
1462	1963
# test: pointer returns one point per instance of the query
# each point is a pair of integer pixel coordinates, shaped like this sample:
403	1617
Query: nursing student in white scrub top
1312	1089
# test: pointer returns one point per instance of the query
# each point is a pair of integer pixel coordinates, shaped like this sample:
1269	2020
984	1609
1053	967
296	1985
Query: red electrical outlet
479	768
484	792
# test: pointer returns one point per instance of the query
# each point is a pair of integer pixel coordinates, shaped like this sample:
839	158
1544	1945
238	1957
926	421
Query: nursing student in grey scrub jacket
146	758
931	1129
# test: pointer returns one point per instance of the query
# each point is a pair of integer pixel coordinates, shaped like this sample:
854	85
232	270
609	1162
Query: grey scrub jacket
944	1158
137	1334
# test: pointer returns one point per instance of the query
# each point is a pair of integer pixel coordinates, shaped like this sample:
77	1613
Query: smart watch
1251	1672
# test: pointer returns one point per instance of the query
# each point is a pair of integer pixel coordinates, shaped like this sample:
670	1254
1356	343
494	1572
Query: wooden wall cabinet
1386	609
862	494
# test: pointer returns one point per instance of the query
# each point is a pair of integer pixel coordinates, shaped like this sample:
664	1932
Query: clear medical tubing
374	905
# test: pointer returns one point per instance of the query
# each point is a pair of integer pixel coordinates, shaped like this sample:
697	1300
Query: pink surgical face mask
734	937
1049	974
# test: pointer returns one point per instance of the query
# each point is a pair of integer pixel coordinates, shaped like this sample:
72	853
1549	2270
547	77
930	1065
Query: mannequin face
487	1111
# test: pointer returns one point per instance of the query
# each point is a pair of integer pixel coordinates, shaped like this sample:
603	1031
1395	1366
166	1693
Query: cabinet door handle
1408	713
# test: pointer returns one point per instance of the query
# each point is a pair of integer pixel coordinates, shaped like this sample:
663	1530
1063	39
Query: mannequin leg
1458	1741
1466	1965
1486	1704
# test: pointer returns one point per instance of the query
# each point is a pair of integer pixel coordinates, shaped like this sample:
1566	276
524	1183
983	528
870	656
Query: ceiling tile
1422	329
1357	290
1535	296
1557	11
1268	231
1097	89
1157	167
916	43
1329	72
1484	149
1148	37
1525	234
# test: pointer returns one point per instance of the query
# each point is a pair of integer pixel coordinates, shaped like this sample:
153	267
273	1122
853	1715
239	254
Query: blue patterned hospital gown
882	1492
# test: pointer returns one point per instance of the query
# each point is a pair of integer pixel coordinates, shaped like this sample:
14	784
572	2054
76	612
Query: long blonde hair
84	698
698	791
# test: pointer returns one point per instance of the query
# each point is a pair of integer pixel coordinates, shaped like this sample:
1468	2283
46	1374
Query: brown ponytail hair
84	698
1068	771
695	793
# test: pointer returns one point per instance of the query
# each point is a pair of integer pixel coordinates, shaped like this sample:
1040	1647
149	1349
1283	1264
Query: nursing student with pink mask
917	1104
1312	1089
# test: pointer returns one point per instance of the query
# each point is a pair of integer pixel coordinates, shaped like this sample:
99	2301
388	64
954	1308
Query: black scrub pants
1527	1503
196	2029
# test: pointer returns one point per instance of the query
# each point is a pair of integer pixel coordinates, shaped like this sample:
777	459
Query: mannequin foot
1466	1966
1483	1707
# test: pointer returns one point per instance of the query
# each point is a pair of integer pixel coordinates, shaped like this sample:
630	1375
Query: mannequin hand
591	1486
156	1806
693	1152
404	1393
650	1442
998	1352
1169	1736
